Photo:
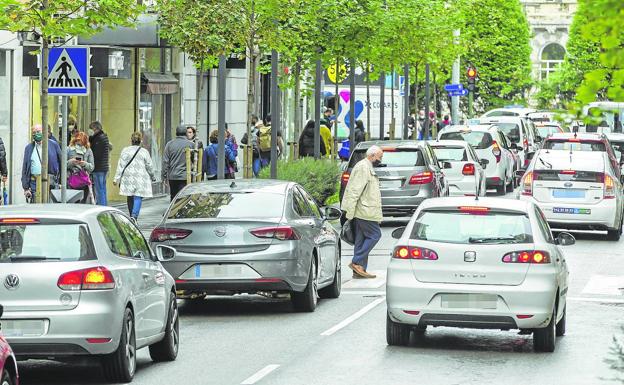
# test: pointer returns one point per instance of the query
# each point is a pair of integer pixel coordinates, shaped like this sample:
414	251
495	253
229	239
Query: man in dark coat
101	154
306	141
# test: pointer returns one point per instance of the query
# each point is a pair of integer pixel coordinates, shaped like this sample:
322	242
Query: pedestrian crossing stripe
68	71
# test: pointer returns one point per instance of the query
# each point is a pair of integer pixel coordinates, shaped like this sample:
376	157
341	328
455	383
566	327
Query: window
299	204
133	236
579	145
312	203
476	139
552	57
512	130
228	205
543	225
400	157
451	153
114	239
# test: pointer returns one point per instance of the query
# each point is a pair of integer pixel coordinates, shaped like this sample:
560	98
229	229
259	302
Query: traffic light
471	73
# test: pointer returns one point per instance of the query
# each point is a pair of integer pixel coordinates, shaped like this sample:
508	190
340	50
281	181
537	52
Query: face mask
71	127
377	163
90	132
38	136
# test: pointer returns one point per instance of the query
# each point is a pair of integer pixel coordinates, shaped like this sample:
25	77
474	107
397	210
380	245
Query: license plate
220	271
387	184
23	328
568	193
568	210
469	301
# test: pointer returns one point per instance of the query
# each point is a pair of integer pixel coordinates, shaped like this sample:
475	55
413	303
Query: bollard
247	160
189	177
38	196
200	172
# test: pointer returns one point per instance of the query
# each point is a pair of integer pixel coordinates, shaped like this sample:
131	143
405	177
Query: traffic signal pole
455	80
470	101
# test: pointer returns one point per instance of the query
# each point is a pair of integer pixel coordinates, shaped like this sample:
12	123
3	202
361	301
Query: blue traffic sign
68	71
453	87
459	93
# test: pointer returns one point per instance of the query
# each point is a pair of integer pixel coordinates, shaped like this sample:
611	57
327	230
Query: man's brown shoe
368	275
359	270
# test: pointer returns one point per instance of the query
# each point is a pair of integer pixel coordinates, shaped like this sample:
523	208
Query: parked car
8	364
251	236
466	177
489	263
489	143
409	174
82	282
576	190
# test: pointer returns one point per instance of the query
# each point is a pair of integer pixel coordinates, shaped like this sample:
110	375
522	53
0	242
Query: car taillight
161	234
527	184
93	278
496	151
283	233
527	256
609	187
469	169
422	178
345	178
409	252
526	144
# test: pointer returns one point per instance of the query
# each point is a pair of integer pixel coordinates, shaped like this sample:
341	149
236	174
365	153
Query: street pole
221	117
470	101
382	102
63	140
274	113
352	103
427	100
455	80
406	102
317	110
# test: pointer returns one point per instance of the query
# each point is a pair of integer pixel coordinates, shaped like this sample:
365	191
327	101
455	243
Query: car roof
78	212
494	203
579	135
239	185
390	143
501	119
444	142
571	160
522	111
615	136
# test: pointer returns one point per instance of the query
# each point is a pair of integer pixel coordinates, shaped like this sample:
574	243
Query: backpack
264	138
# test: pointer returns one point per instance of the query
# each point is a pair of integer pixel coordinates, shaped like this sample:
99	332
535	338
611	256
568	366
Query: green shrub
318	177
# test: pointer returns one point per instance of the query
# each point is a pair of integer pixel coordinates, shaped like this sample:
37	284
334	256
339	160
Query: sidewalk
152	212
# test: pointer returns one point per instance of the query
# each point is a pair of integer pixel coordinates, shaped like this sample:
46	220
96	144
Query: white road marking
364	292
353	317
260	374
367	283
605	285
602	300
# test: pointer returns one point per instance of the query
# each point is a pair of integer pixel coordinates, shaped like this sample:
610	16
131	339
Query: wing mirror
565	239
332	213
165	253
398	233
519	174
484	163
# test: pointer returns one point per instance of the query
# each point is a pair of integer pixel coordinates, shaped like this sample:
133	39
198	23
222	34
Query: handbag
79	180
347	234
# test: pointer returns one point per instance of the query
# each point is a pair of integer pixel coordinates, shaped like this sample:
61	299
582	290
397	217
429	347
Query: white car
466	176
486	263
509	111
576	190
524	140
489	143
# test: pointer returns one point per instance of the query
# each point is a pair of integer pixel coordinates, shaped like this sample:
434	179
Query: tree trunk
368	104
392	121
198	91
297	97
45	183
337	99
415	132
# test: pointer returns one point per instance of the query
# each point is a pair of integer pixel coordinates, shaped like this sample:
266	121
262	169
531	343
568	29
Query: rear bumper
495	181
460	188
603	215
239	285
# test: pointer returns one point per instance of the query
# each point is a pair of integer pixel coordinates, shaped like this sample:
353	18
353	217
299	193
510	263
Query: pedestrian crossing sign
68	71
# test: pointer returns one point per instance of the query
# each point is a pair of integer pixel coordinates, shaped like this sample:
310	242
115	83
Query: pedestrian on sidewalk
211	156
232	166
265	142
101	147
80	165
198	145
306	141
135	175
174	161
3	162
362	205
31	165
360	132
253	141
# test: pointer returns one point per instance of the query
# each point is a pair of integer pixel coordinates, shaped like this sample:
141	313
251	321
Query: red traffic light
471	73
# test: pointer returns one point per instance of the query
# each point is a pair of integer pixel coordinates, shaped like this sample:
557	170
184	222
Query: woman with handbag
135	175
80	165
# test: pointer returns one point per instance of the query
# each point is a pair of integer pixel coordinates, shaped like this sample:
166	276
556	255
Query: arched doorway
550	59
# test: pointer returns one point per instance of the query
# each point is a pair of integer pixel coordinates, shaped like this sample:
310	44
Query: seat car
524	140
8	364
81	282
489	143
409	174
466	177
576	190
251	236
489	263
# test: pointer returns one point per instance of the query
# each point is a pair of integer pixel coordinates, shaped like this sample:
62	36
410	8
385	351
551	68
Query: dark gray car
251	236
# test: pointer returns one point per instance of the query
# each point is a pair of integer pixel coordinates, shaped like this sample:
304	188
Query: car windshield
451	153
545	131
395	157
618	146
574	145
45	243
476	139
512	130
450	226
227	205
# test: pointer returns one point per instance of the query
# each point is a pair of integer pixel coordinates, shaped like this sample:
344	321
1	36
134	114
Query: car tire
6	378
544	338
120	365
511	186
306	300
500	190
167	348
614	235
396	334
561	325
333	290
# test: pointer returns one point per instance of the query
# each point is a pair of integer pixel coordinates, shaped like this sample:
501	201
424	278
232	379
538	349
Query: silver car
251	236
82	281
466	177
485	263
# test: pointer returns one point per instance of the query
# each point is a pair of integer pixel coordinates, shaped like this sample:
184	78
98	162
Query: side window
316	212
133	236
114	239
543	225
299	204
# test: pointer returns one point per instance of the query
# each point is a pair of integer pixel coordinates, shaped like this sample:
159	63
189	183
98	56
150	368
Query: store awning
158	84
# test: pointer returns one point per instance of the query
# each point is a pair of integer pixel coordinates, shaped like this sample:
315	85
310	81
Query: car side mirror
538	138
519	174
514	146
484	163
398	233
332	213
565	239
165	253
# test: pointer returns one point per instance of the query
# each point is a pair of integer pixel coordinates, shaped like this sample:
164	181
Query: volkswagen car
81	282
485	263
466	177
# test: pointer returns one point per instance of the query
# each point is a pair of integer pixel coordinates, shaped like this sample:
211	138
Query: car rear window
568	176
45	242
512	130
476	139
230	205
400	157
544	131
449	153
578	145
454	226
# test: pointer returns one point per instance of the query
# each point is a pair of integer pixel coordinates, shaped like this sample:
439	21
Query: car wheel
396	334
614	235
500	190
544	338
333	290
167	348
6	378
511	186
306	300
120	365
561	325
